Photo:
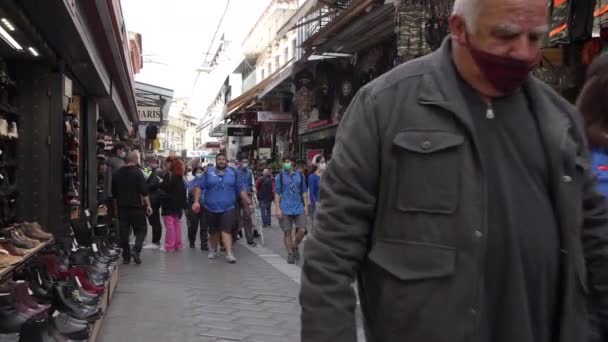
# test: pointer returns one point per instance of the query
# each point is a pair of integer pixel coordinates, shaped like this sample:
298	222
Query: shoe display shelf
105	302
7	272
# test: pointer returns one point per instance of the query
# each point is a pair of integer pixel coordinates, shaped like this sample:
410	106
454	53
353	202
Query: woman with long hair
173	203
593	105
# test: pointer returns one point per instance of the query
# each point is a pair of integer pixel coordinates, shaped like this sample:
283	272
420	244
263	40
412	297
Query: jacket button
478	234
567	178
426	145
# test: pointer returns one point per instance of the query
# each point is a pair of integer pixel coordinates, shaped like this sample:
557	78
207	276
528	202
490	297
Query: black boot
137	258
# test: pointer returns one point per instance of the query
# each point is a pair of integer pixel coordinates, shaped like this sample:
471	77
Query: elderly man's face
511	28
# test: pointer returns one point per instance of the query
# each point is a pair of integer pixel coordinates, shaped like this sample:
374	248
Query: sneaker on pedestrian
252	244
231	259
291	259
204	248
126	261
151	246
256	234
212	255
137	258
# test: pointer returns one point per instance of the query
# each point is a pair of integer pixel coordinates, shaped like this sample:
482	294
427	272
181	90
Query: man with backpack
291	199
221	188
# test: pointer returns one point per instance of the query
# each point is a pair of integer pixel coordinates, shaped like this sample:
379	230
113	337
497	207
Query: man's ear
458	29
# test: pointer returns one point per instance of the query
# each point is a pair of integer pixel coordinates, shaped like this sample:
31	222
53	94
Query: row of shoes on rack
8	129
71	166
57	296
18	241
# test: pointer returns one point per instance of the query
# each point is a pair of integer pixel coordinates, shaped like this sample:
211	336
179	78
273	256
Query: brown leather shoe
9	246
18	239
34	231
23	237
7	260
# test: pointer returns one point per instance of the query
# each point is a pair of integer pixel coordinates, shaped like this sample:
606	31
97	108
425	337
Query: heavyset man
221	188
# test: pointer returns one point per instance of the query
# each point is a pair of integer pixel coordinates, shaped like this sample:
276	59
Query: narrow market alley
185	297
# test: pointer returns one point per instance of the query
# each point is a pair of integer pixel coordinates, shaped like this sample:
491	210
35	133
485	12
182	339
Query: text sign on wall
149	114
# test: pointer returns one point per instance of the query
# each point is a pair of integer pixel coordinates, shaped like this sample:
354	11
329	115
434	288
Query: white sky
177	33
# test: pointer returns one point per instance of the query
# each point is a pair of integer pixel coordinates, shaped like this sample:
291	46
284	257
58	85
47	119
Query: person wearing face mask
196	218
314	180
466	208
291	200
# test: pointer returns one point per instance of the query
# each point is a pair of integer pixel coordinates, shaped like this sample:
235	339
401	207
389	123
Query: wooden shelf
7	271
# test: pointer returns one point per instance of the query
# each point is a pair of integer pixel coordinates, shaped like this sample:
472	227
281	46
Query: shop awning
278	80
304	10
343	19
252	95
361	33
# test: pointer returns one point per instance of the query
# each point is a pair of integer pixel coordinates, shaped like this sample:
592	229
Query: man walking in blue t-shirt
221	188
291	199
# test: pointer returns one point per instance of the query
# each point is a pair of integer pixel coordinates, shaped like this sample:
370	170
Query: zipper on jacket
490	110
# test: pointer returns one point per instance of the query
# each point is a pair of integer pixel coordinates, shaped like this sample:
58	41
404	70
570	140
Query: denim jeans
265	207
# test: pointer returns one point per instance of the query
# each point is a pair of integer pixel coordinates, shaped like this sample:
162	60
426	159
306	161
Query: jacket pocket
408	260
429	177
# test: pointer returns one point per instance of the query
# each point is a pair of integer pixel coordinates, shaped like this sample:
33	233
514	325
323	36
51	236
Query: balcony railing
249	81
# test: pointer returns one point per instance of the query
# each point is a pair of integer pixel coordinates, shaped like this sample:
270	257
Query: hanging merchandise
571	21
325	92
600	15
411	20
303	96
346	90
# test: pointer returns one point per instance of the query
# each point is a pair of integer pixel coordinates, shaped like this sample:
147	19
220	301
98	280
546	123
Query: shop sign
211	145
274	117
218	131
149	114
240	131
265	153
198	154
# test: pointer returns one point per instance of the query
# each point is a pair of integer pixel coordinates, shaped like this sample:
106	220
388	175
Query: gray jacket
416	256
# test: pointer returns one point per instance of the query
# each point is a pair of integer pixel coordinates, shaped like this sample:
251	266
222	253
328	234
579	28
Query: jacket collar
440	86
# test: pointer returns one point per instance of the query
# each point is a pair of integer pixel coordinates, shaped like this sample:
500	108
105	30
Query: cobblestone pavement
185	297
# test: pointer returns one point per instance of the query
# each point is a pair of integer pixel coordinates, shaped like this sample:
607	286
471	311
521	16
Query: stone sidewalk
184	297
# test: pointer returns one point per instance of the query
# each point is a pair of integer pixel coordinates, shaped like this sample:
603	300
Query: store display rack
7	272
105	302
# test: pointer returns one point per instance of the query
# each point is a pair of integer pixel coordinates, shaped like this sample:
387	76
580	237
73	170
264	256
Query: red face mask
505	73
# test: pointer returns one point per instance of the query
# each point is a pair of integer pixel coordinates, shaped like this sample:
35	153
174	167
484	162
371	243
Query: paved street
185	297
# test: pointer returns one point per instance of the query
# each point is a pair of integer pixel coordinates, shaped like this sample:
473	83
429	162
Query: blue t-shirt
291	190
599	163
220	189
193	184
245	177
313	182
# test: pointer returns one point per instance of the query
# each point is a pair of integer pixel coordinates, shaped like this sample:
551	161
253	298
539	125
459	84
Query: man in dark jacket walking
466	208
131	194
154	182
265	186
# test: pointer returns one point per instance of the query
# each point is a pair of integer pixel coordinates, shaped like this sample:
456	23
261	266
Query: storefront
342	58
57	64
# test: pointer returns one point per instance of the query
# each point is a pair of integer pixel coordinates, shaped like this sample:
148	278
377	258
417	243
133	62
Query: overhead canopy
336	26
278	80
252	95
308	7
362	32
